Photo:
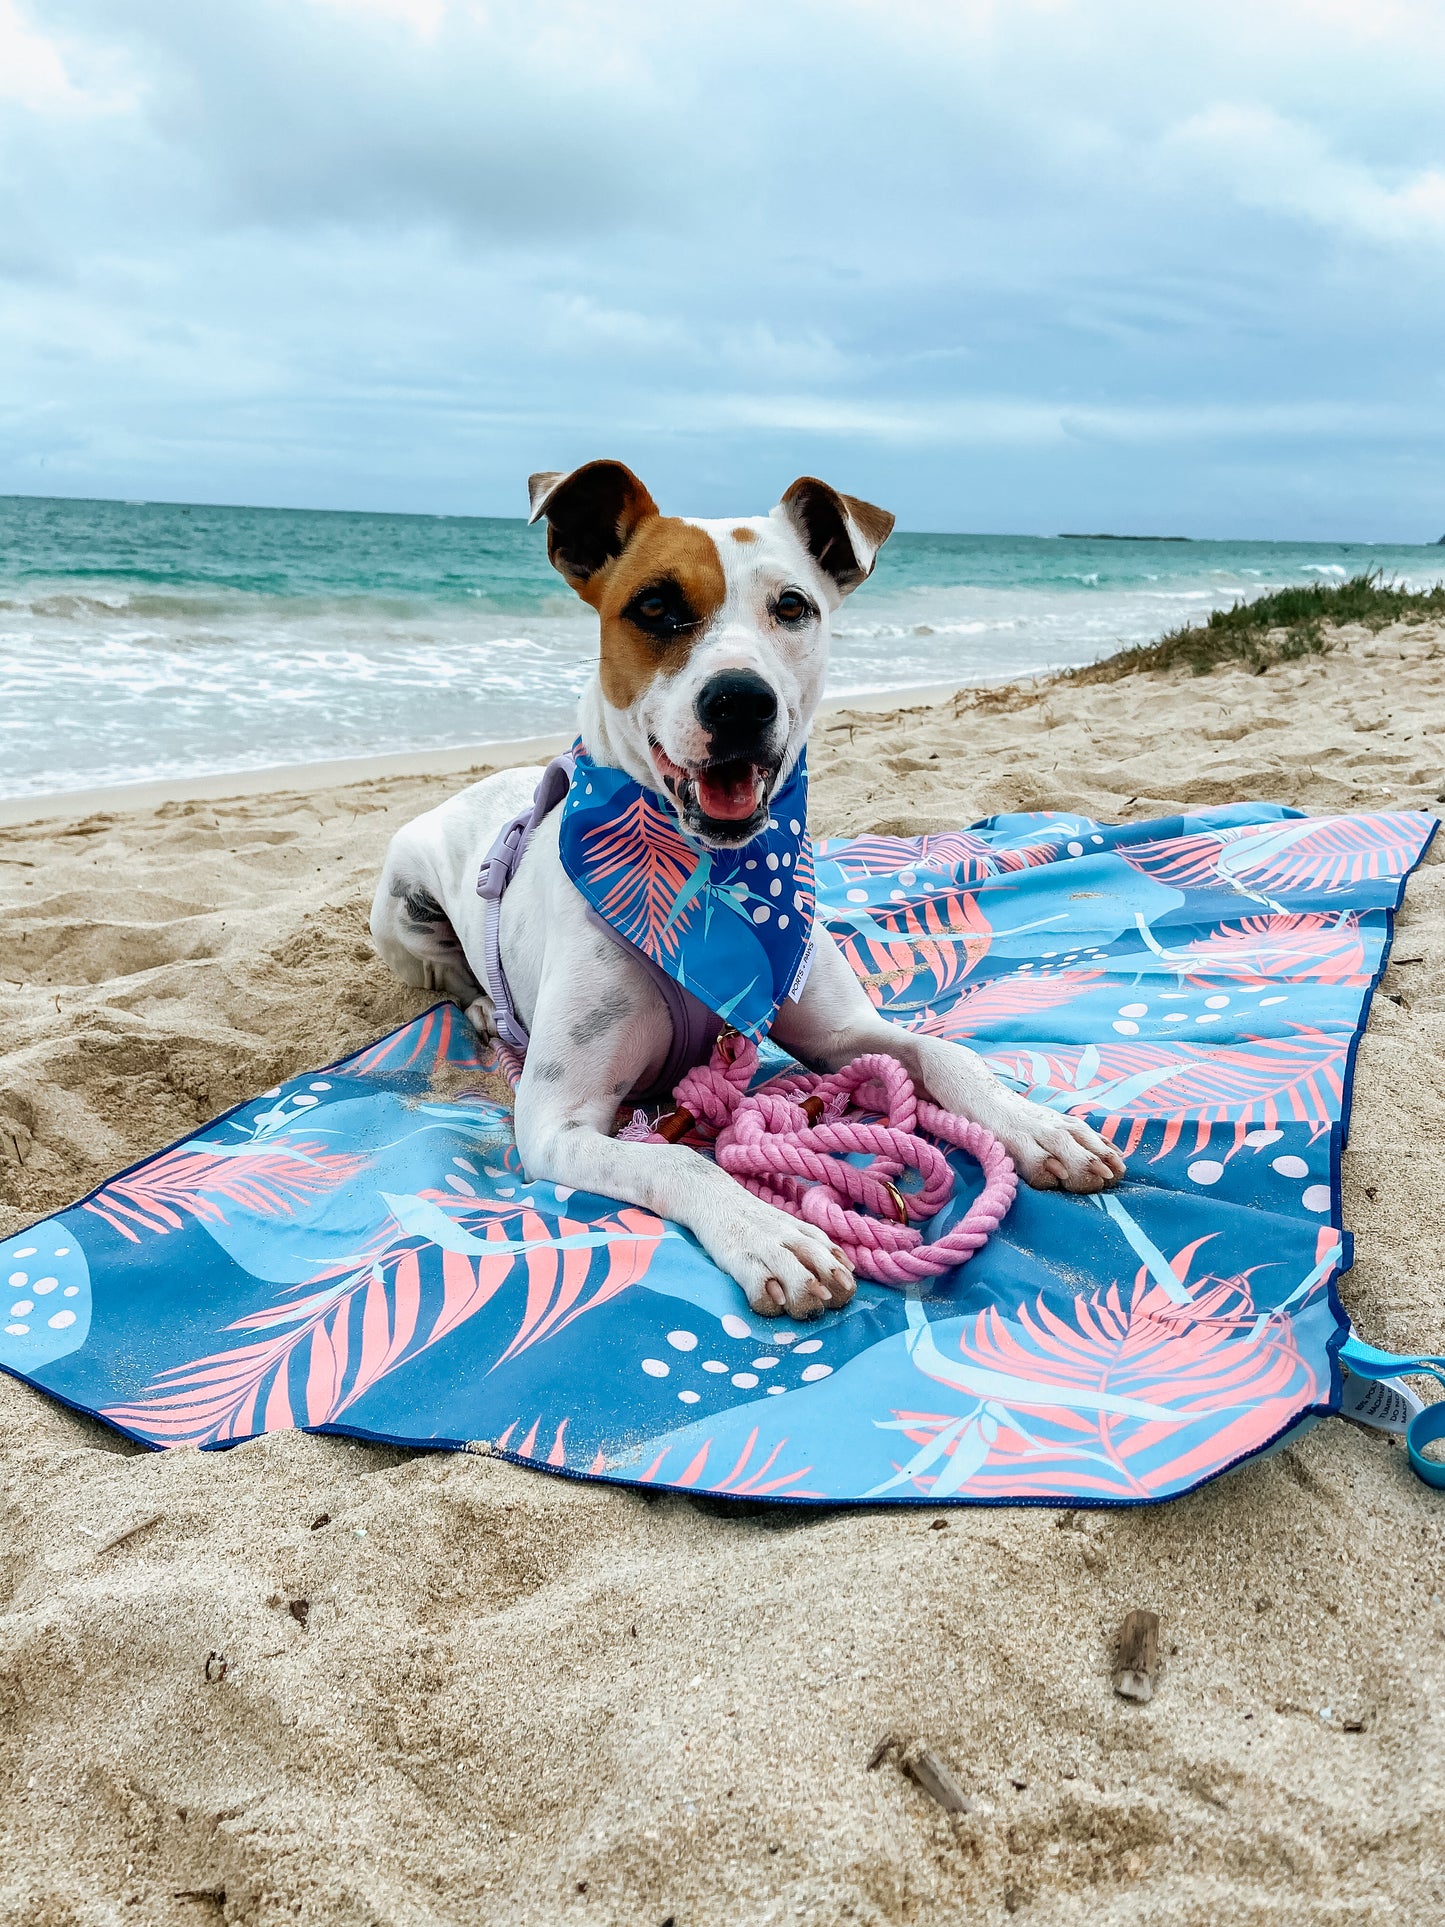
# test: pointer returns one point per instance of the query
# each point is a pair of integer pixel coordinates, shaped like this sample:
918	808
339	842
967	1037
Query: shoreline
337	772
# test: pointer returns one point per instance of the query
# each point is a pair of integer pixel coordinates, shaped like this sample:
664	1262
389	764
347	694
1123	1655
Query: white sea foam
162	641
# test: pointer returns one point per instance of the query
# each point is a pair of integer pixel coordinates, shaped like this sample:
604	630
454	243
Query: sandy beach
513	1699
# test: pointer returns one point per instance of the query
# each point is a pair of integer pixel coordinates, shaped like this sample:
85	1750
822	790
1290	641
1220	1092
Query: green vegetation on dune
1279	627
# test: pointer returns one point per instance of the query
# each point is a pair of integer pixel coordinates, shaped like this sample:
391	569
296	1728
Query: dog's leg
833	1022
592	1041
415	937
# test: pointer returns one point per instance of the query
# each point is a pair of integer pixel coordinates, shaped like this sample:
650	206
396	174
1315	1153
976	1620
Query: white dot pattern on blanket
689	1398
1206	1171
681	1341
44	1285
1292	1167
18	1279
18	1331
20	1307
1316	1197
813	1372
857	896
809	1345
1133	1010
1126	1027
713	1365
1262	1138
656	1367
745	1381
61	1320
736	1327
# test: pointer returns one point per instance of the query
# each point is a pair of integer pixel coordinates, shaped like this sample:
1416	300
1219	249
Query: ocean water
144	639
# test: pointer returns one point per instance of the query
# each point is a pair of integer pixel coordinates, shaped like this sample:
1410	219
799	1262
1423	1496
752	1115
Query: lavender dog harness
724	934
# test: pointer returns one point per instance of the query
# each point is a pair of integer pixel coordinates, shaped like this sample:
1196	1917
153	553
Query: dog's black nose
736	705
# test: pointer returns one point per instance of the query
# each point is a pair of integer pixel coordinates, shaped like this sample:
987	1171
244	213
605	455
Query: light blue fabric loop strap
1427	1426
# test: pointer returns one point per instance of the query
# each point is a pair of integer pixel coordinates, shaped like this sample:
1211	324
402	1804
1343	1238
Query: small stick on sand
1138	1656
141	1525
924	1767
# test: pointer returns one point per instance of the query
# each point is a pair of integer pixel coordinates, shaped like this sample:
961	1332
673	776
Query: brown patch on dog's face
655	601
745	535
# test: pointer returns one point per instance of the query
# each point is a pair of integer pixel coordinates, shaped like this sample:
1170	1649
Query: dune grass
1279	627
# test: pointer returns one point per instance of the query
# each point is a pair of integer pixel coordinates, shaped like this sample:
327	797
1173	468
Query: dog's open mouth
729	797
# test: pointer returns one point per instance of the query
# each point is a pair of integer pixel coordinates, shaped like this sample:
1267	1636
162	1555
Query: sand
514	1699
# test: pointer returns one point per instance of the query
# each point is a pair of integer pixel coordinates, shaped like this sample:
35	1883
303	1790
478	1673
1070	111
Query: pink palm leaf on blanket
1301	1077
1325	853
946	934
969	858
1314	946
744	1478
1214	1359
649	862
352	1324
1003	998
195	1182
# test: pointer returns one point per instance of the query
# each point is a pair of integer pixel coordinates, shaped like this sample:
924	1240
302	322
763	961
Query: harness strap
499	866
695	1028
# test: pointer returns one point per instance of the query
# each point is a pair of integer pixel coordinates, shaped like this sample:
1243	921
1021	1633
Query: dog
714	640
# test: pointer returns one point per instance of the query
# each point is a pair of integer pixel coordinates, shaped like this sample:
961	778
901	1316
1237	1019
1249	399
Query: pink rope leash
789	1143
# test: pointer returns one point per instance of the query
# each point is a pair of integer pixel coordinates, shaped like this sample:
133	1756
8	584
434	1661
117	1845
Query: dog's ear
842	534
591	515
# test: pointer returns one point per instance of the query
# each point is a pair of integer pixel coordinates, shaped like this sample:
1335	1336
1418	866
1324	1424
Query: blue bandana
733	927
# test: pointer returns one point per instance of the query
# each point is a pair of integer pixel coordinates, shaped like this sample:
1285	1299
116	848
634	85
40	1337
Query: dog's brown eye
792	607
661	611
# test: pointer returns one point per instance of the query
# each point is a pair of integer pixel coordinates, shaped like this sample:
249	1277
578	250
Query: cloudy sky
999	264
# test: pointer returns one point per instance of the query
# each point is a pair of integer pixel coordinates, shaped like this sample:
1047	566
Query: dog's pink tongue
729	794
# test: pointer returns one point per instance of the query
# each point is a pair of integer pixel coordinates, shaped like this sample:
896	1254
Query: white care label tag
1386	1403
805	964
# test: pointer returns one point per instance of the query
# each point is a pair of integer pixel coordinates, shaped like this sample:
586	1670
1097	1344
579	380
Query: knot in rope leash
789	1144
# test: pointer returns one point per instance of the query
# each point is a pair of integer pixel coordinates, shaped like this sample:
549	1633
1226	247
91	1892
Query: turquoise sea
142	639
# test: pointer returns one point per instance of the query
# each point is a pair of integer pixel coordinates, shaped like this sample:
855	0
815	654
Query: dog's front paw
480	1017
781	1263
1057	1153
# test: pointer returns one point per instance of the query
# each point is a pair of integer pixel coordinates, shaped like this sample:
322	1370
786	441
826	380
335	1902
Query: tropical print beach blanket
359	1251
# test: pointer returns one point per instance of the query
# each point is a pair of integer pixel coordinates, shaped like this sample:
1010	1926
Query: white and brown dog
714	644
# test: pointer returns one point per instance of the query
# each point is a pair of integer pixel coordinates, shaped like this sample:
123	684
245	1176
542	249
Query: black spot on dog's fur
598	1022
421	906
551	1073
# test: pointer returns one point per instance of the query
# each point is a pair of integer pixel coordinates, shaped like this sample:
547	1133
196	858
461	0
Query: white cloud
1269	162
401	250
